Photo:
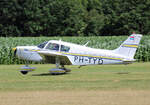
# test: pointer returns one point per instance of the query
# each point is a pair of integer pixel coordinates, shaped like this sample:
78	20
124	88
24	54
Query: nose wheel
25	69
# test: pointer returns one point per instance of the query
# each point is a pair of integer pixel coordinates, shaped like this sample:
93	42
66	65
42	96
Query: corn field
110	42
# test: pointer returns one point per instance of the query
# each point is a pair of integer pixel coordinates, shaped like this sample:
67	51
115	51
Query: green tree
126	16
95	18
8	19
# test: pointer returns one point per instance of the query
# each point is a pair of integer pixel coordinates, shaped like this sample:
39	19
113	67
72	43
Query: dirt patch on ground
126	97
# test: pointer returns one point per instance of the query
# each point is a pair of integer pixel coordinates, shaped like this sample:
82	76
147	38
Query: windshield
42	45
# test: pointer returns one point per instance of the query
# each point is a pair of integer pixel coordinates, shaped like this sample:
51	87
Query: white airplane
63	53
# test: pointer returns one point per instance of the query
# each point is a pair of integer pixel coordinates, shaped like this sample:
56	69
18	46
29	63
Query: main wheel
57	71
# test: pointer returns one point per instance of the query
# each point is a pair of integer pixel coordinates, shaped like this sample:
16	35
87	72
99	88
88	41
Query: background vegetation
73	17
109	42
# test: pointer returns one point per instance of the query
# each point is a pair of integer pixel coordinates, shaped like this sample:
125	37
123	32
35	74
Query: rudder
128	47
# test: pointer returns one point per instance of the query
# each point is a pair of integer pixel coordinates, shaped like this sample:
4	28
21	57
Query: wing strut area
57	62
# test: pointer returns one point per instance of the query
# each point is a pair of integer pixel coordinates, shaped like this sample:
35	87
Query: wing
50	57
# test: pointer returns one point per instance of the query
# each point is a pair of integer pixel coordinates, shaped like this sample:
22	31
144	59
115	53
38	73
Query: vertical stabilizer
128	47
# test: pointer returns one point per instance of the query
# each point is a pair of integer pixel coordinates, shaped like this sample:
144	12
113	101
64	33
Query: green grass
103	77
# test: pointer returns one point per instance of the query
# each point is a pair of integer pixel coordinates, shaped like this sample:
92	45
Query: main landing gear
55	71
59	70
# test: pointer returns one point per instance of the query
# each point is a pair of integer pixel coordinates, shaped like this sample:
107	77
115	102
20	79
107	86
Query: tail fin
129	46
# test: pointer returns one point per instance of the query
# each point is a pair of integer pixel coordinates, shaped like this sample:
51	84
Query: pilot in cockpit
55	47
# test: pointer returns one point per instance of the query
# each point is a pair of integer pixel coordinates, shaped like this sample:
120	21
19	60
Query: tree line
74	17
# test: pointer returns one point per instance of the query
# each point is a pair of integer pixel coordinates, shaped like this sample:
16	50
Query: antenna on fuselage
86	43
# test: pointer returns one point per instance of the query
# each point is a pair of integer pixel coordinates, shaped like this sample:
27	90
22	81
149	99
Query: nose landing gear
25	69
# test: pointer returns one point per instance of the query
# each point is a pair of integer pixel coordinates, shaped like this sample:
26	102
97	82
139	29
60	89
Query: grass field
89	85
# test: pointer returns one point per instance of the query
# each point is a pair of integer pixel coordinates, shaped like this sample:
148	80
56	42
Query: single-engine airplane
64	53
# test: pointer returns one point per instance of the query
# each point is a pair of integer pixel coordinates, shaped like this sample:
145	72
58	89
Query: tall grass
111	42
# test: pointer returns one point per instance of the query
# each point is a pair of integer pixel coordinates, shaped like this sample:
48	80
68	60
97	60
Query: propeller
15	51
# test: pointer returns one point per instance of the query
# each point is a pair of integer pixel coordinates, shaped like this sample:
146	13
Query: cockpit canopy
54	46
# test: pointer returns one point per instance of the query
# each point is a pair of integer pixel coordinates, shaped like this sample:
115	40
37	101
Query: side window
65	48
53	46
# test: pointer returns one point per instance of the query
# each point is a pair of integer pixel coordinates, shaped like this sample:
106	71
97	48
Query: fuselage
76	54
82	55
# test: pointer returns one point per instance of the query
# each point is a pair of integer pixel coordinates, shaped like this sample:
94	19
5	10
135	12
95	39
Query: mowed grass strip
102	77
90	85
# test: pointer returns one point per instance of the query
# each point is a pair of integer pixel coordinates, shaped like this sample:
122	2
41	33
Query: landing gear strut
55	71
59	70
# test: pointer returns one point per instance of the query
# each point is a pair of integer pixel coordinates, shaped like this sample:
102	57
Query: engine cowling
27	53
